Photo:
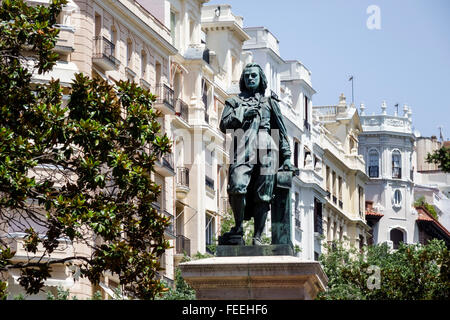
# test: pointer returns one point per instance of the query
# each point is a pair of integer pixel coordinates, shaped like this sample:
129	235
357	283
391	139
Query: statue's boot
237	203
262	209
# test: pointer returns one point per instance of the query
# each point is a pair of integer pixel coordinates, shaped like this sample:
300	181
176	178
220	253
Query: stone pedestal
257	277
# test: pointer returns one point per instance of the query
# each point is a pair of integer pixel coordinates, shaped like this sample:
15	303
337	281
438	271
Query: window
158	76
114	38
361	242
143	64
97	25
209	231
340	192
396	236
129	52
327	177
209	181
361	201
396	165
373	164
296	154
191	31
397	198
306	100
297	211
308	159
333	184
318	216
173	26
205	99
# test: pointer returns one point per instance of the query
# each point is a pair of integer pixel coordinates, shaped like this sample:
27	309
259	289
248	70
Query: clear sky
407	60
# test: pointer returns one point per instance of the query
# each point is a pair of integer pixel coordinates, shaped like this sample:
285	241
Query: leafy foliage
441	157
79	171
413	272
182	290
421	202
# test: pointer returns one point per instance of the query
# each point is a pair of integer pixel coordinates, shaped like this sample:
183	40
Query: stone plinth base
261	277
264	250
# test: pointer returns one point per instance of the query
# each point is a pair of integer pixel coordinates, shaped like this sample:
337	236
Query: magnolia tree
78	171
413	272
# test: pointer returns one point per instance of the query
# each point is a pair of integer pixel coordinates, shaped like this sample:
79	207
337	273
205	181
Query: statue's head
253	79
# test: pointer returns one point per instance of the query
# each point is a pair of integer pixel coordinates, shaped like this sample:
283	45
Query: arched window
396	165
396	236
374	164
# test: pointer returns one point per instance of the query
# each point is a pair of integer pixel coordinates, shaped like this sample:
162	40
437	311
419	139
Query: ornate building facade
387	145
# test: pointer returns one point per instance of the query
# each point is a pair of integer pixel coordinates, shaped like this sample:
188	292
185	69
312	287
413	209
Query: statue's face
252	78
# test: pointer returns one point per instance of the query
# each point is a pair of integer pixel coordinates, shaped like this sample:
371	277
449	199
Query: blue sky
406	61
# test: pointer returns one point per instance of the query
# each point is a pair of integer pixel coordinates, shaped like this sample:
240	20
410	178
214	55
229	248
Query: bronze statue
253	118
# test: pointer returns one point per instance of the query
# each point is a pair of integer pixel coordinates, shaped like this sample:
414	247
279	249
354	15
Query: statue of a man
252	117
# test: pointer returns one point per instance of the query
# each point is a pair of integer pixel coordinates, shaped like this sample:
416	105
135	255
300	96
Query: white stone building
387	145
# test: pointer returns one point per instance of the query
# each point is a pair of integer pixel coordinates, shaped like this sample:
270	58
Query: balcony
183	245
66	39
182	110
164	165
373	172
164	100
182	188
103	55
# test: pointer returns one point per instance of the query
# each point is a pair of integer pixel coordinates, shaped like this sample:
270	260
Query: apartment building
344	174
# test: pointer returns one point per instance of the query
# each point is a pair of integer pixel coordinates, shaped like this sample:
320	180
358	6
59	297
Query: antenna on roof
351	79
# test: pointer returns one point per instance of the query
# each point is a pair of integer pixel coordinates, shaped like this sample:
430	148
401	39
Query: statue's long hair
262	83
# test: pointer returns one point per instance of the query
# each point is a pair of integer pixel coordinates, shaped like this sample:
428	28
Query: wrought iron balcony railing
165	95
104	49
182	109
